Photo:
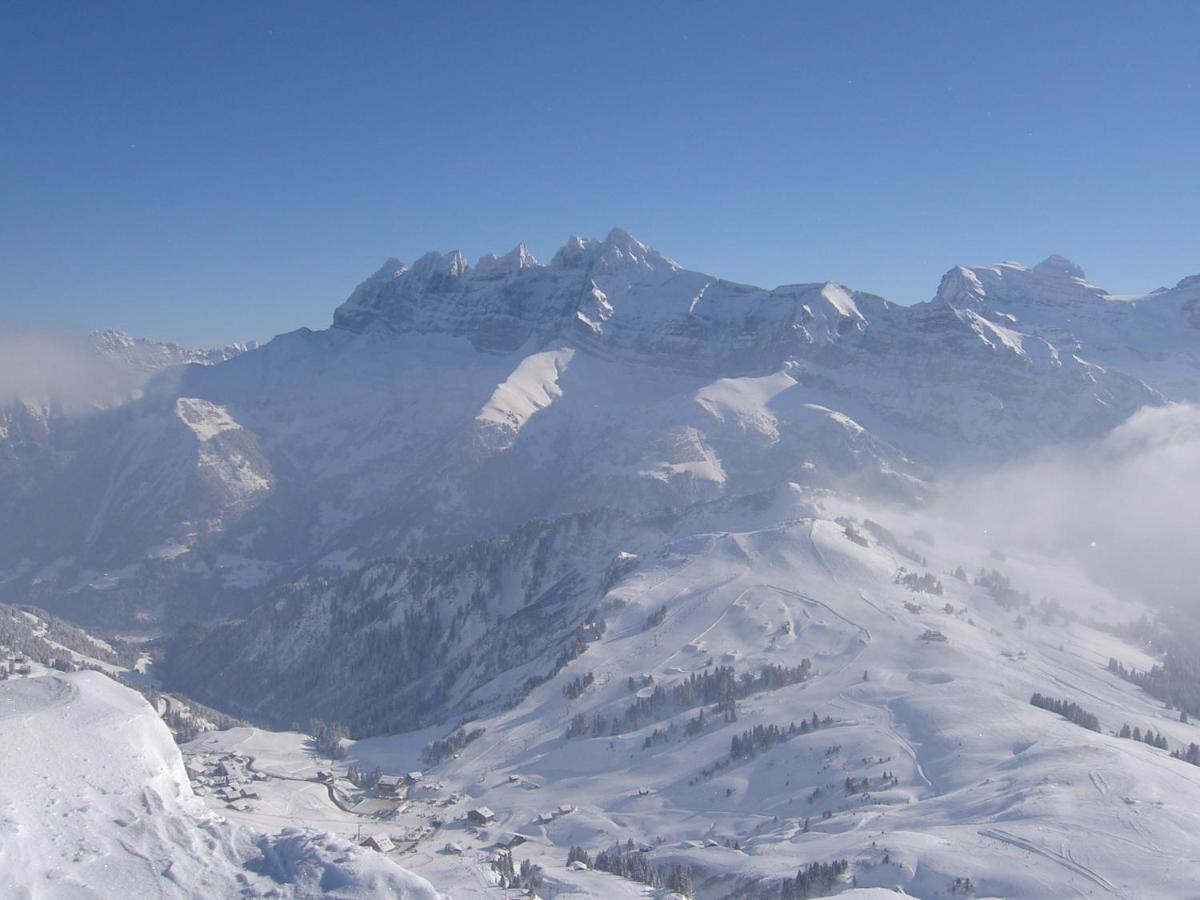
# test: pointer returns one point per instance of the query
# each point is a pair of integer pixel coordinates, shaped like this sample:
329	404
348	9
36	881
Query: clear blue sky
205	172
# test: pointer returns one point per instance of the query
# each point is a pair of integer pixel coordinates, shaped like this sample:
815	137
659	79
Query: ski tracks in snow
1063	858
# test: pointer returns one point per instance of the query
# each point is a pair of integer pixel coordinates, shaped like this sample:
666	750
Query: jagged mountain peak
145	355
516	259
1060	266
1054	282
434	264
618	249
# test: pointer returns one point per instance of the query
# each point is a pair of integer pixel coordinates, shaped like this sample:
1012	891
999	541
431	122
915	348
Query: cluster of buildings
229	778
14	664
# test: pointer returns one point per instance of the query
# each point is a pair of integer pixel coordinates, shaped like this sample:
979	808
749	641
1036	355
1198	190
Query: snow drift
95	802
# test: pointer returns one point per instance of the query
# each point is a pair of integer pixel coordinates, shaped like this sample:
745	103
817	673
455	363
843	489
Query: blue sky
208	172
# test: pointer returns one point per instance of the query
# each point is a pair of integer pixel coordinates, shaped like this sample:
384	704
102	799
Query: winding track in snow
1062	859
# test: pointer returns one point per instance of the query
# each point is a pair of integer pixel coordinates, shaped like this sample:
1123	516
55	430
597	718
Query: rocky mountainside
449	403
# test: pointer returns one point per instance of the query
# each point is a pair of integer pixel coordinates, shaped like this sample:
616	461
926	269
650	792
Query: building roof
380	842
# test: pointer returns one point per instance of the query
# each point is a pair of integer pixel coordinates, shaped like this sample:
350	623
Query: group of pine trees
885	537
1001	590
529	877
813	880
761	738
364	779
720	687
655	618
1176	681
443	748
1190	755
327	738
630	862
574	688
1068	709
921	584
1154	739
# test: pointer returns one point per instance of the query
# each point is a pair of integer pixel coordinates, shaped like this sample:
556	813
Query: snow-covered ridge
95	802
616	294
146	355
451	401
619	296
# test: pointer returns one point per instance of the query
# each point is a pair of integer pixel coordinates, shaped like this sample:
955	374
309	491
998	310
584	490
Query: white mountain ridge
442	386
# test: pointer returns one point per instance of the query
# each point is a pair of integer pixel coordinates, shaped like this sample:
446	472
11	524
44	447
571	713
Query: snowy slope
95	802
964	778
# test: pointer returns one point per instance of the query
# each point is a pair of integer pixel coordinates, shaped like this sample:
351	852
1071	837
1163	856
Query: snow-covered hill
95	803
916	646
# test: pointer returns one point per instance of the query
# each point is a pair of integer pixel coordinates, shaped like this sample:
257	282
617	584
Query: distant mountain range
449	403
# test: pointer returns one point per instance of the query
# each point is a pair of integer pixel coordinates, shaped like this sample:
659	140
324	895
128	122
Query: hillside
115	816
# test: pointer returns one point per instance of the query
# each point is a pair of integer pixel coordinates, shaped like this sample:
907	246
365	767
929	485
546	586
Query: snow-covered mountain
617	551
145	355
449	403
1152	337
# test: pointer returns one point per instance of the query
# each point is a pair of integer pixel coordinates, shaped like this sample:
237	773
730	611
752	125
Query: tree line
721	687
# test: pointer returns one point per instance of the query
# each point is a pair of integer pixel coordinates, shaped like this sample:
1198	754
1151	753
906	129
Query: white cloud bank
57	368
1127	506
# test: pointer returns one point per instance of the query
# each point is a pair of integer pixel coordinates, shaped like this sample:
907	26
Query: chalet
380	842
565	809
412	778
393	787
481	816
545	818
454	848
511	840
